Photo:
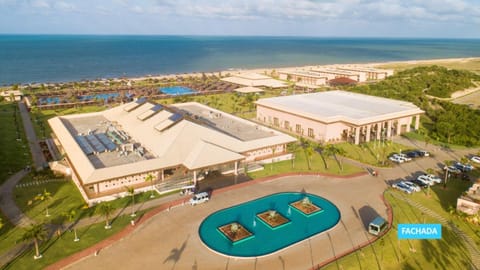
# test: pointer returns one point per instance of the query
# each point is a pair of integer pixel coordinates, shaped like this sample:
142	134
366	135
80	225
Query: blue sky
352	18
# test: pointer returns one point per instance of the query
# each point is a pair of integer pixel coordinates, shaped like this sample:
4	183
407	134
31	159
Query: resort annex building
338	116
177	145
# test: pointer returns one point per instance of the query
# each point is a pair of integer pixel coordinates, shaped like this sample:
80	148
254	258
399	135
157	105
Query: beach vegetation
430	88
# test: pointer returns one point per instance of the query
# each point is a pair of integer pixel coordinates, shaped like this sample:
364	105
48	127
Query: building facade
339	116
176	145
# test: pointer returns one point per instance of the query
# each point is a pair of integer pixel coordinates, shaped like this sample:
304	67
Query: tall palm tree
150	178
35	233
334	151
131	193
45	196
309	153
70	216
274	150
292	148
105	209
323	151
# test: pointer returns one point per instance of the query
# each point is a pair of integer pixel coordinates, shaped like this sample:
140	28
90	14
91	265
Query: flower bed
306	206
273	218
235	232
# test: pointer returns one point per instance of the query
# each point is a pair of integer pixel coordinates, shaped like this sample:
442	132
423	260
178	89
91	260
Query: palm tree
274	149
429	171
131	192
292	148
334	151
150	178
105	209
309	153
70	216
323	151
35	233
45	196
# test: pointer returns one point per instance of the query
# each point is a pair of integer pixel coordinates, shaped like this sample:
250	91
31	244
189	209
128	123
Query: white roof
248	89
254	80
334	106
178	142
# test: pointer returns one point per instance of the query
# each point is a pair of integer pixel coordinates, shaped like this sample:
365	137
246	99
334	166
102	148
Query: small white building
255	80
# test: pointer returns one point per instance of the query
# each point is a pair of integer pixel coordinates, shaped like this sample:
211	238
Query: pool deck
170	240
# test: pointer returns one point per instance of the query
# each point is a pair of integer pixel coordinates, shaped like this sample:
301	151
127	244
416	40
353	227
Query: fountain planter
306	207
235	232
273	219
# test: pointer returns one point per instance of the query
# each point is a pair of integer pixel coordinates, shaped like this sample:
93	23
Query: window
287	125
276	122
298	128
310	133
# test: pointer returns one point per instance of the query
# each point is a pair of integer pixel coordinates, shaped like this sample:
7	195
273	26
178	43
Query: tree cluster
445	121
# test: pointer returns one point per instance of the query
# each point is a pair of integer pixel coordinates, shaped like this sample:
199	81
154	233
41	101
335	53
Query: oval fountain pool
268	224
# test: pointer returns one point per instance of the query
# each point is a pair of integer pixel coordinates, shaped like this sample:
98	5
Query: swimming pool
176	90
265	239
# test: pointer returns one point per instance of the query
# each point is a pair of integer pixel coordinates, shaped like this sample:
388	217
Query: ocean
57	58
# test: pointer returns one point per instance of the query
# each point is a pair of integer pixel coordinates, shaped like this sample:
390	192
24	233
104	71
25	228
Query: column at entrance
417	121
367	136
357	135
389	129
379	131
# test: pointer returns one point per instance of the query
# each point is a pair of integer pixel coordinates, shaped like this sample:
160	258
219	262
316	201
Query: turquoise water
56	58
57	100
265	239
176	90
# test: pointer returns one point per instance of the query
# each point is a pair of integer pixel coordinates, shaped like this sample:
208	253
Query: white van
199	198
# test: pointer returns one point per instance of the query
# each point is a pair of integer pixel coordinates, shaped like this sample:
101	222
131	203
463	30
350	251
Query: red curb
128	229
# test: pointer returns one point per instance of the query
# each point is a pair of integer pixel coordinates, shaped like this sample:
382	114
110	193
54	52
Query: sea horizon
38	58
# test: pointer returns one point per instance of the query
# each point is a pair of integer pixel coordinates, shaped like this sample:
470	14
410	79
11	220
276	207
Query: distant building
254	79
303	78
333	73
9	94
369	73
249	90
178	145
336	116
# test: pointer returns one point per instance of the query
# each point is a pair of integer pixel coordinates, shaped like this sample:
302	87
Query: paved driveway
170	240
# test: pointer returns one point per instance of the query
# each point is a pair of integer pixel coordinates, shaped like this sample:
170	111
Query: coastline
269	70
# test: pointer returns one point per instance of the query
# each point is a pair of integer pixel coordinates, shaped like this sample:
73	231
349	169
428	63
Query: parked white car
199	198
396	159
402	187
425	180
404	157
433	178
475	159
411	185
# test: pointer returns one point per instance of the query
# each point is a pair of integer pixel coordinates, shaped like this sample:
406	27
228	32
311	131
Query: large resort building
316	76
177	145
339	116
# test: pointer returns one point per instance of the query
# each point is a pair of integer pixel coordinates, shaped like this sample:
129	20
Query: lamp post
446	178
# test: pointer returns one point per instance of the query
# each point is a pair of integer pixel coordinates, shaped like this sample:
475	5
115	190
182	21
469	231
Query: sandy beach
268	71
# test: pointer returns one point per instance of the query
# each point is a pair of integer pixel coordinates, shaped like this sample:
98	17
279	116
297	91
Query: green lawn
14	154
374	153
57	248
301	165
391	253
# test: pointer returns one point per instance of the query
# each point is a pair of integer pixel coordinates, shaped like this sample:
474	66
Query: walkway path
7	203
468	241
37	154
